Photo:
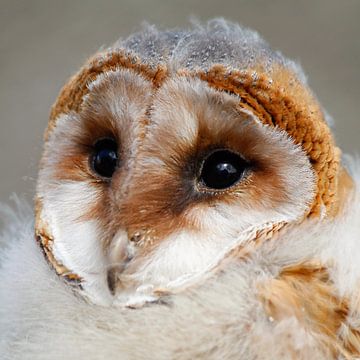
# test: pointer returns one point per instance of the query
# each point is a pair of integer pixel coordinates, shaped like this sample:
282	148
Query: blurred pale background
43	42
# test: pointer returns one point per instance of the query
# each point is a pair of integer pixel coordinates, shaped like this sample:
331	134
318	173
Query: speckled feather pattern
201	46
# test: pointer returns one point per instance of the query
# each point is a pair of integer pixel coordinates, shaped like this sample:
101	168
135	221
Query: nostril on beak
136	237
142	238
112	280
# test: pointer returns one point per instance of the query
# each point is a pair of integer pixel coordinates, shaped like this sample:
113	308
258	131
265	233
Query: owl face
147	188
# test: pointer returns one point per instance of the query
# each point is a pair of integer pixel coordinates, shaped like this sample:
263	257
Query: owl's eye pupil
222	169
105	157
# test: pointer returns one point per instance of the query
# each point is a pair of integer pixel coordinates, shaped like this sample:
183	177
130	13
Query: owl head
172	150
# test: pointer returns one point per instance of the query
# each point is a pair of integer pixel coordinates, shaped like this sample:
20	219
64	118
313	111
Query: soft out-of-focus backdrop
43	42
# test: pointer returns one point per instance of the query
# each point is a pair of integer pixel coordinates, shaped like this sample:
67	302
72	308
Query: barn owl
184	169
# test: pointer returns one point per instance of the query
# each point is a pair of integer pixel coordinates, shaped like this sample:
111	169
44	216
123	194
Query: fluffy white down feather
41	317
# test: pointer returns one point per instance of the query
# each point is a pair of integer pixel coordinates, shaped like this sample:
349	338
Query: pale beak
120	253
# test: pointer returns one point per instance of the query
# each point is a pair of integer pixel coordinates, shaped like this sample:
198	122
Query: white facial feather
79	245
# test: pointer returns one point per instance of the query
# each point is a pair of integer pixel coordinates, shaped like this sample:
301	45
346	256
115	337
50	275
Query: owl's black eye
222	169
105	157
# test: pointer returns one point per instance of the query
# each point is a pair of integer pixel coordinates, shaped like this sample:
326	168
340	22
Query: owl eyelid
104	138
